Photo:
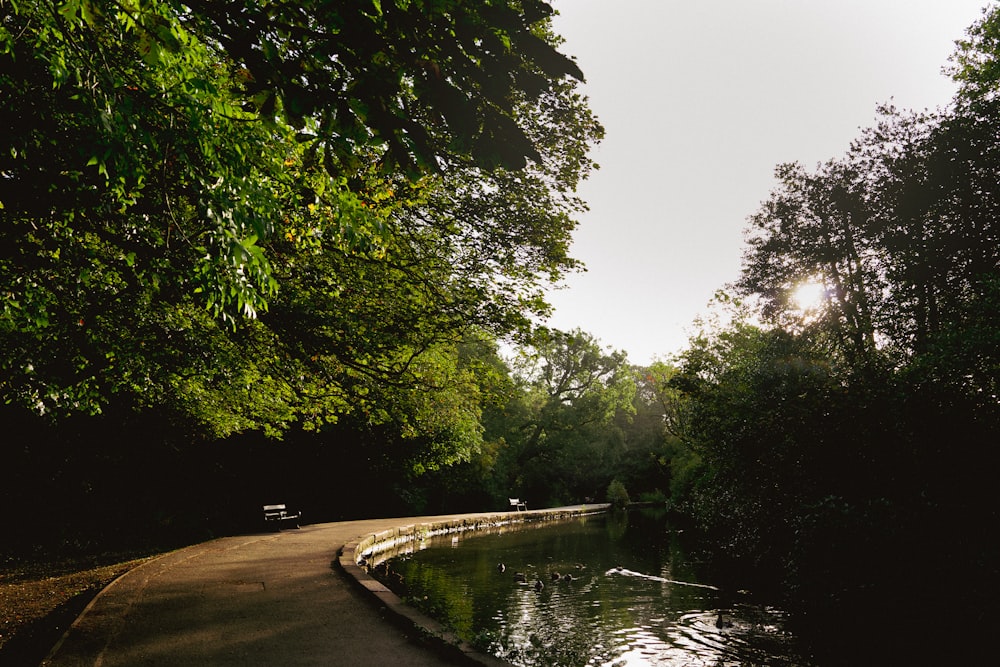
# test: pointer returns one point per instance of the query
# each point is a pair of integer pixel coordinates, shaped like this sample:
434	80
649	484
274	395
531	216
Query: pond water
603	590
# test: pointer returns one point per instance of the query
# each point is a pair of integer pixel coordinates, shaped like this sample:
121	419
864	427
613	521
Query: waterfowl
501	568
722	622
539	585
567	577
556	576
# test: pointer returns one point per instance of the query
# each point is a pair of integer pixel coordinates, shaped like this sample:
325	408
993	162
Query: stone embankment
355	557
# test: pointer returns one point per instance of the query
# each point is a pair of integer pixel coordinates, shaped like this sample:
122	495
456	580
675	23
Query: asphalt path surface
283	598
263	599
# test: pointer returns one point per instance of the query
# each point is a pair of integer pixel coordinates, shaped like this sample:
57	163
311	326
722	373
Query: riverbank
355	557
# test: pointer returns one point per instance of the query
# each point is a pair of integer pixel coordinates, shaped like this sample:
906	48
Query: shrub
617	495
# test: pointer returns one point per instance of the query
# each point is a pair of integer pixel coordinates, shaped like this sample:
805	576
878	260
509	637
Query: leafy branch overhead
261	213
111	96
426	84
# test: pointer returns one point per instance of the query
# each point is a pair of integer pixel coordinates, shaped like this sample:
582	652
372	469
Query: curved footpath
286	598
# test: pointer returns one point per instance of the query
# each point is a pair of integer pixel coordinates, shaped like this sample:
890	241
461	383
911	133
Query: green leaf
69	10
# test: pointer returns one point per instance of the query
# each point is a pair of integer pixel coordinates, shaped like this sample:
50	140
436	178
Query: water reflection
607	590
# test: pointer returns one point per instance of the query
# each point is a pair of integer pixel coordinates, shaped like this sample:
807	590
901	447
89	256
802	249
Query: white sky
700	100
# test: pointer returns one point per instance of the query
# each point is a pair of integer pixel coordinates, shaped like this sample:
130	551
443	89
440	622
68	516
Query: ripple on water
625	605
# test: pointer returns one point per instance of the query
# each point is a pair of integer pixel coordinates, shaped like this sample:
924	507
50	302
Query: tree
899	232
975	63
428	84
937	227
812	229
562	440
220	222
224	91
826	440
164	158
662	420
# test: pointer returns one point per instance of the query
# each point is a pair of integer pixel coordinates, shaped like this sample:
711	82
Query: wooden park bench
279	515
518	504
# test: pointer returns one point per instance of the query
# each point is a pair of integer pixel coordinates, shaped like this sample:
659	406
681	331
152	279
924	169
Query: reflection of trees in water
595	616
617	524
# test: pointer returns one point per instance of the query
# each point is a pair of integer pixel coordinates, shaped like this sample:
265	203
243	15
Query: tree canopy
826	443
257	215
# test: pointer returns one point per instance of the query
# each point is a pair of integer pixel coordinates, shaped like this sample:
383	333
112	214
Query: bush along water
617	494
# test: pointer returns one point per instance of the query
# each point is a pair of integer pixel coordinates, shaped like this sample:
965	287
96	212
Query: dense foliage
255	216
571	418
221	221
843	448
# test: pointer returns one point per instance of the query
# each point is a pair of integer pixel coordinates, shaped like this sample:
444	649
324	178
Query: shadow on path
265	599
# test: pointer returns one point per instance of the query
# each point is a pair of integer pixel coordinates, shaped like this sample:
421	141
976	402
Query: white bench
518	504
279	514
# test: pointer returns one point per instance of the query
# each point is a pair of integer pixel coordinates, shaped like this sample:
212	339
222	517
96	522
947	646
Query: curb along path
296	597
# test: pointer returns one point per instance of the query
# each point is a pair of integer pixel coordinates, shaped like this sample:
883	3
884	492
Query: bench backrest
273	508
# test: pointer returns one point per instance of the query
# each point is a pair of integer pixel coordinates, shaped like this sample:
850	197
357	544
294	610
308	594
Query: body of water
604	590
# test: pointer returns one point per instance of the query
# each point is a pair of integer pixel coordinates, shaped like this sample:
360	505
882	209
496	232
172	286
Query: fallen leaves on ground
32	594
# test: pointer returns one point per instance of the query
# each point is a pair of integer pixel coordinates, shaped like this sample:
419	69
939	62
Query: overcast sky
701	99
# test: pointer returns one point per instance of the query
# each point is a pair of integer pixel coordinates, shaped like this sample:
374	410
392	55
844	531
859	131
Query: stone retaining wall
357	553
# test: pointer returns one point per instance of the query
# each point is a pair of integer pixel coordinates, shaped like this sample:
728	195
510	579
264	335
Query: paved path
267	599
